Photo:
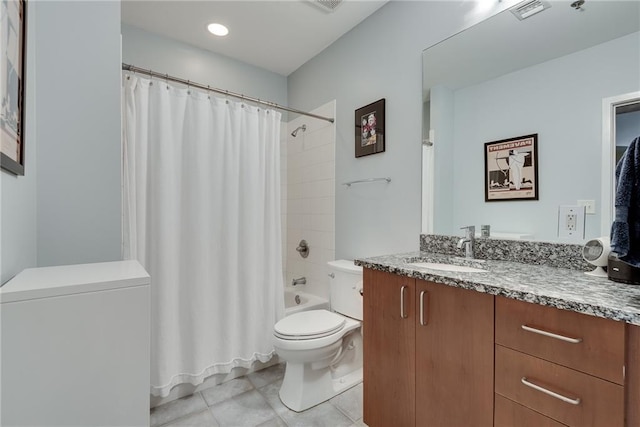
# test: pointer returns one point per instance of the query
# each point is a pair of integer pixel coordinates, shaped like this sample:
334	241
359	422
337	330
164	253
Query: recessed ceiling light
218	29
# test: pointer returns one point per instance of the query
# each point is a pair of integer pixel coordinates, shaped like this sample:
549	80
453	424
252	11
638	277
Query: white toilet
323	349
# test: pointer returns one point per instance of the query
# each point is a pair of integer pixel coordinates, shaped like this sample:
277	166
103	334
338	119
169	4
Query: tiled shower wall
310	193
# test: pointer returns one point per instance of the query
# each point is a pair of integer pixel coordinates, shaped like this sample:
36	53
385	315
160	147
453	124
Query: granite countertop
551	286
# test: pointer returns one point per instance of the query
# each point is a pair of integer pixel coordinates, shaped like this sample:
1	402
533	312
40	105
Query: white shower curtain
201	203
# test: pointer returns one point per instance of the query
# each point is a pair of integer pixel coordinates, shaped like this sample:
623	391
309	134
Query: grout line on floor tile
190	414
282	419
341	411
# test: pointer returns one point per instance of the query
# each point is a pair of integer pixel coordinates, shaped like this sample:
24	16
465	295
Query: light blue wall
18	200
66	209
150	51
441	119
561	101
78	128
380	58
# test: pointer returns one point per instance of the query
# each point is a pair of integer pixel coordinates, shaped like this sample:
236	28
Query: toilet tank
345	283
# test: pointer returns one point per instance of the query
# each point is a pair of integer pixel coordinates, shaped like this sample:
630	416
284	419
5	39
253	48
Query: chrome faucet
468	240
300	281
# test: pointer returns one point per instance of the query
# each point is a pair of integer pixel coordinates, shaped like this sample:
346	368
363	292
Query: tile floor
253	401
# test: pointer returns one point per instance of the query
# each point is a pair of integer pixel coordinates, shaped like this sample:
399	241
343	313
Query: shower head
295	132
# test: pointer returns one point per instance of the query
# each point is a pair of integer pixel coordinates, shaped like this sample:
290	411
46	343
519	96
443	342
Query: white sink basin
447	267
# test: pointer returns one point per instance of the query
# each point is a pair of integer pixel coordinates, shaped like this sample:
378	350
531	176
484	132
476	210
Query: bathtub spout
300	281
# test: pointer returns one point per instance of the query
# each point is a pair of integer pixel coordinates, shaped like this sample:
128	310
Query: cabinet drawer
579	341
509	413
596	402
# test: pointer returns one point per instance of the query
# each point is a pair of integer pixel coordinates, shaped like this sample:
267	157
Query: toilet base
319	386
307	384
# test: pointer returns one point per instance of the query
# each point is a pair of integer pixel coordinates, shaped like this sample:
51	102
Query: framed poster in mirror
511	169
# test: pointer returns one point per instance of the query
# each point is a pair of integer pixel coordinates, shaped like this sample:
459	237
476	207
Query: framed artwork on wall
369	127
511	169
12	72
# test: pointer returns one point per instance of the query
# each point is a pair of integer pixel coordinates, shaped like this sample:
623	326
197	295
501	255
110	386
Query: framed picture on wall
369	126
511	169
12	67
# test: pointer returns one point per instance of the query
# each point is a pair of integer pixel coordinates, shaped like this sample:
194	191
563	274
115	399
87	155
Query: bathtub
304	302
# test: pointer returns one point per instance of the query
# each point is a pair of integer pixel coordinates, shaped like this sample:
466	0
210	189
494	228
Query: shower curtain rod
151	73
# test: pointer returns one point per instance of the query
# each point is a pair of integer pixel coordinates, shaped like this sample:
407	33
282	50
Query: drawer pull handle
526	382
402	314
552	335
422	322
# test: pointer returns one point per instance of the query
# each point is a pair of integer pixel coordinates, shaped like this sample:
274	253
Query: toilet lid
309	325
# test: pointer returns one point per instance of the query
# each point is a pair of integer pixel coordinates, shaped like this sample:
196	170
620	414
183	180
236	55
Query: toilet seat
309	325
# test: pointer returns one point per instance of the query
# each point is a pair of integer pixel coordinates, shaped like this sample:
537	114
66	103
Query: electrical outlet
589	206
571	223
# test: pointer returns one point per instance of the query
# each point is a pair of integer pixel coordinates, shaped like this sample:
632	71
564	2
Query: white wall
565	109
311	201
380	58
18	203
78	129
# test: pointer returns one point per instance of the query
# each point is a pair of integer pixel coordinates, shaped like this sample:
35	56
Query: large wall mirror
547	74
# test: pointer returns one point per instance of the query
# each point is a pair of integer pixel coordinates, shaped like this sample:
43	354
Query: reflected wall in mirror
547	74
620	126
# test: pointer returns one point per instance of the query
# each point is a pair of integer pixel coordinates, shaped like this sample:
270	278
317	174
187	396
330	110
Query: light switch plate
589	206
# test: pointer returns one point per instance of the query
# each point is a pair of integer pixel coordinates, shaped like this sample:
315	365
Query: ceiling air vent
327	5
529	8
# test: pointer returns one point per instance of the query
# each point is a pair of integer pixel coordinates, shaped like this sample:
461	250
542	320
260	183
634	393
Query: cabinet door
389	349
454	356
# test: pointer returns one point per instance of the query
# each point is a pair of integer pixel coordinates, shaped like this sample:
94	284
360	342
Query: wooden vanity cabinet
428	353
